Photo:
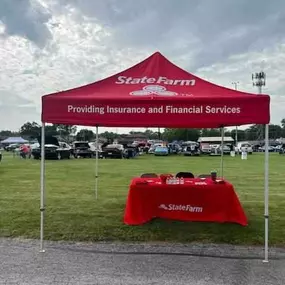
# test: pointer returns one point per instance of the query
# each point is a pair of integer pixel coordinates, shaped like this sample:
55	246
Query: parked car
226	149
217	150
153	147
161	151
53	150
12	147
93	148
244	147
270	149
205	148
64	145
130	151
81	149
193	150
174	148
113	151
282	149
34	145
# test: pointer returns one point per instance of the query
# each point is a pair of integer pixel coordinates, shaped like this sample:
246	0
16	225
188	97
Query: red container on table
164	177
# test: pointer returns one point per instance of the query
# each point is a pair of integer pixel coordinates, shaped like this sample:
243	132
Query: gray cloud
13	117
16	110
10	99
25	18
212	30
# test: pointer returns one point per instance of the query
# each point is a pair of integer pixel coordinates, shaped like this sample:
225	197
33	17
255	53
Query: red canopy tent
153	93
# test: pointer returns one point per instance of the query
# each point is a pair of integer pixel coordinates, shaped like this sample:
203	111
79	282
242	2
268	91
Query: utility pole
258	80
159	134
236	84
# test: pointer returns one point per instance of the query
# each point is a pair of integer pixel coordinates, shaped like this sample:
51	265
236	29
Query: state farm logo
153	90
163	206
184	208
162	80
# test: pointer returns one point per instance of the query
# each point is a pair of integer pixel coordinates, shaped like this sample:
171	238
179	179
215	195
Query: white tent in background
12	140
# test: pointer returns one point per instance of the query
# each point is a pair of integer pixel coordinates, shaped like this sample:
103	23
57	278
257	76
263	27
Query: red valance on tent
155	93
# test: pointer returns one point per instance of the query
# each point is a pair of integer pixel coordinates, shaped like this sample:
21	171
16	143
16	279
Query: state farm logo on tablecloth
153	90
185	208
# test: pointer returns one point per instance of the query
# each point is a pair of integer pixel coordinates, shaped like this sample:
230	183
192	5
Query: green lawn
73	213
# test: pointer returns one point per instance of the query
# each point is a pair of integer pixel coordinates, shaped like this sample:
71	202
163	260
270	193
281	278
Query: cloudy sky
52	45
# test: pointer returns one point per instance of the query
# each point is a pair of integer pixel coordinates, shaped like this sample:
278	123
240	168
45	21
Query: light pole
258	80
236	84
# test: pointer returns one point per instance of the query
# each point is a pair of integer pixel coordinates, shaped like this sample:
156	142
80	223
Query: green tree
211	133
109	136
275	131
85	135
6	133
252	133
151	134
65	130
240	134
181	134
30	129
50	130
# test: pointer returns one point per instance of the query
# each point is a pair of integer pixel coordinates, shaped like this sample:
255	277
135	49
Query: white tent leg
42	205
266	193
96	164
222	152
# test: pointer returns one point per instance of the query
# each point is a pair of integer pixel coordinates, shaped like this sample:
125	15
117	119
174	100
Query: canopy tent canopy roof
155	93
12	140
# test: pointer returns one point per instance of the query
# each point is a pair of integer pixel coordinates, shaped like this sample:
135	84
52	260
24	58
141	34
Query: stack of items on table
180	177
174	180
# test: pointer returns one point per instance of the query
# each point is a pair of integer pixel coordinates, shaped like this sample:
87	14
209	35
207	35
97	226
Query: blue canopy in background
14	140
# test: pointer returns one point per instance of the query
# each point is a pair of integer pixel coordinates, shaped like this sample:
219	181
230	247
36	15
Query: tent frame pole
266	193
96	164
222	153
42	189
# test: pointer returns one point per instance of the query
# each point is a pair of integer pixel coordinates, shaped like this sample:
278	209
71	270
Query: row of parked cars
194	148
81	149
190	148
61	150
55	149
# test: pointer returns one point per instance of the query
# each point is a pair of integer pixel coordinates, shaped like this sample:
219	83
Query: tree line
31	130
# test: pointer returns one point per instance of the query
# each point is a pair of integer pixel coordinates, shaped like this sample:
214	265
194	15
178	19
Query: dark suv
113	151
81	149
53	150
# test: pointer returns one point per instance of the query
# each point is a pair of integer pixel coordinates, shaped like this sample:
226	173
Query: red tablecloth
195	200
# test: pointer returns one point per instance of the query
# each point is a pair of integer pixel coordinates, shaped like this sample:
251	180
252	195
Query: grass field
73	213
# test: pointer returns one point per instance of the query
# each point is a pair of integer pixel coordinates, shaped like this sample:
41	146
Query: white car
205	148
153	147
244	147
